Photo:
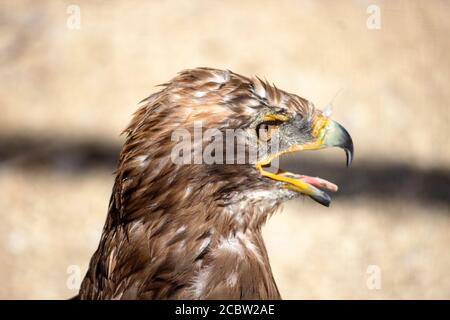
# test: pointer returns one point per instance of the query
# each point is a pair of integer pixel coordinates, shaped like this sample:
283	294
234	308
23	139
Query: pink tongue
319	183
314	181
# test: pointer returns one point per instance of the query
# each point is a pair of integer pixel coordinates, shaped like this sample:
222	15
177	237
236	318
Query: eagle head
196	180
218	130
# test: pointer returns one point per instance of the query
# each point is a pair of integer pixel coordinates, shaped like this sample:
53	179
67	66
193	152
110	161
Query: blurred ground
67	94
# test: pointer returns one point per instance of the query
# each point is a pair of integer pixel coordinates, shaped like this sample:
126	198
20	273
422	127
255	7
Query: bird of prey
192	230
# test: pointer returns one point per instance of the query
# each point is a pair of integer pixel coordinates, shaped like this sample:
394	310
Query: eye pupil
265	132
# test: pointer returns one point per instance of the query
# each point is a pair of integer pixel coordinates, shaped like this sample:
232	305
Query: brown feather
188	231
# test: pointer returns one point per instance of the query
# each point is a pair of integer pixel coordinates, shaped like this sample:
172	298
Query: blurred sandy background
65	96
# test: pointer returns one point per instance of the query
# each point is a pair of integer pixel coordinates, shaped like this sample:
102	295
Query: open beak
327	133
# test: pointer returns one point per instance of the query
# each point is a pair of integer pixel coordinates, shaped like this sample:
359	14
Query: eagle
191	229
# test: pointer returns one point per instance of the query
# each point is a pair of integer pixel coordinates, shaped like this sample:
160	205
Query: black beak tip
349	154
346	143
322	198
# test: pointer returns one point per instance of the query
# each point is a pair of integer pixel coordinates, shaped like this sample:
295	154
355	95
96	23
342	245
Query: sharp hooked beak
328	133
337	136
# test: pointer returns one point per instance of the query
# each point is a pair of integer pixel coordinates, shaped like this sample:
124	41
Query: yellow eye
265	131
